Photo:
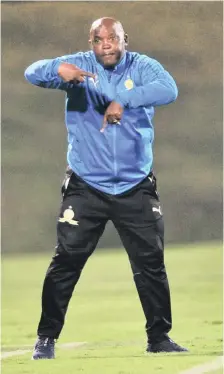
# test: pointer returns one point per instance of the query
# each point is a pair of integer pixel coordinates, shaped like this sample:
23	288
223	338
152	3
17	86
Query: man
110	98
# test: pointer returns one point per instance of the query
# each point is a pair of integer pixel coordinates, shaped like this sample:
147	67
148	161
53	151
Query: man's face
108	43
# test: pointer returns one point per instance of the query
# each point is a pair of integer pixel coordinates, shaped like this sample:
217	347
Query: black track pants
138	219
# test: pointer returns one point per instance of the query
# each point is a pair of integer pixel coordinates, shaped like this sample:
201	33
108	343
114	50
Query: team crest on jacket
68	216
129	84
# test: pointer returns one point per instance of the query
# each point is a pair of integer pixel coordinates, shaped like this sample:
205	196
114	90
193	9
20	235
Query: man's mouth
108	54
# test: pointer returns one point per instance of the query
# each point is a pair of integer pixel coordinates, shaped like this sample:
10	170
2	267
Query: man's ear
126	39
90	44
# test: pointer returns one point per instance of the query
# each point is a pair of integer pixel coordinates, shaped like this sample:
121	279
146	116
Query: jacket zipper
114	141
114	150
109	76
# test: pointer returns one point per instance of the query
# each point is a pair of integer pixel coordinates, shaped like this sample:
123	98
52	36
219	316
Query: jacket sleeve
157	87
44	73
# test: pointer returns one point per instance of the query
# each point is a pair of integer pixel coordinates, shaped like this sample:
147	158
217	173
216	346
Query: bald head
108	41
106	22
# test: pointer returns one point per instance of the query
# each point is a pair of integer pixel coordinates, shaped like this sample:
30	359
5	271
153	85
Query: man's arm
158	87
59	73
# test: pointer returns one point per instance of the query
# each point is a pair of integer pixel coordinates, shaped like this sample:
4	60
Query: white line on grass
20	352
14	353
205	368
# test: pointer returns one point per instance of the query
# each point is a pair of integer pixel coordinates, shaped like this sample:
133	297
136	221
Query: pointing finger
88	74
104	124
81	79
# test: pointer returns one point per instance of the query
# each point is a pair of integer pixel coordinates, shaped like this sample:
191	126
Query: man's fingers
113	119
104	124
88	74
81	79
107	120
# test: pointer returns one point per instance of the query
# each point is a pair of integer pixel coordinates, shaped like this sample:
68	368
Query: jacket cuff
55	67
121	99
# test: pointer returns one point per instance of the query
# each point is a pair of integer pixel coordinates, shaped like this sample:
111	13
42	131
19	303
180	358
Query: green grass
105	313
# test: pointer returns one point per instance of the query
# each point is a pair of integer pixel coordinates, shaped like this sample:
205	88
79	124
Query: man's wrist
119	101
56	67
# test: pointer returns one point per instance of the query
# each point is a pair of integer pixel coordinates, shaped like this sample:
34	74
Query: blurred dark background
186	37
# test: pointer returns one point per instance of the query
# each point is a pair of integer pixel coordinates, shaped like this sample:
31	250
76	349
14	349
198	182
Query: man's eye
96	41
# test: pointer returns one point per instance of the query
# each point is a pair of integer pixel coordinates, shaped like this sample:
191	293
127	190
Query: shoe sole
167	353
42	358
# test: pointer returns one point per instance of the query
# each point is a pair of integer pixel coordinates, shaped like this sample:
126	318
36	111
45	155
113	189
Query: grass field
105	313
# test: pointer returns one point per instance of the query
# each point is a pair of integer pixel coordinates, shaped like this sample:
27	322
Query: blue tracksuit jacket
120	157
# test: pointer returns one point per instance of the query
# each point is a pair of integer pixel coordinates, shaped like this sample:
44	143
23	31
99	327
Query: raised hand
70	72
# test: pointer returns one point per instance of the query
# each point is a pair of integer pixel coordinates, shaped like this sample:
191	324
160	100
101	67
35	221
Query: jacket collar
118	69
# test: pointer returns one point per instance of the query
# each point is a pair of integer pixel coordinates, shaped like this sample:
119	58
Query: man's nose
106	44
